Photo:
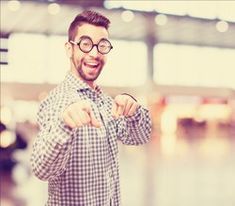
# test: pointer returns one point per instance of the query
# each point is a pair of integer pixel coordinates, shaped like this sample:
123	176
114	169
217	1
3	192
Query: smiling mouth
92	65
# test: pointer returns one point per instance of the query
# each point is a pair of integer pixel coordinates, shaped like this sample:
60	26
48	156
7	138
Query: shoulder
53	95
107	97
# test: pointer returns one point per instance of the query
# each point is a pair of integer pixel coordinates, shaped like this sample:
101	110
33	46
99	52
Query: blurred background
176	57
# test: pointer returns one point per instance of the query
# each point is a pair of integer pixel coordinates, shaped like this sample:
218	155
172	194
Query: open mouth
92	65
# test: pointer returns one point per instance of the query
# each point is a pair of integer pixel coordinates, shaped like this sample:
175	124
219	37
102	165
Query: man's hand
124	105
79	114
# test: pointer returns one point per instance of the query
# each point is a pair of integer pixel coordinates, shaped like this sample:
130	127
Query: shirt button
111	175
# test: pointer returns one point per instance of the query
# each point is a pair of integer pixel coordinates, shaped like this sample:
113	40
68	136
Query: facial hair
79	66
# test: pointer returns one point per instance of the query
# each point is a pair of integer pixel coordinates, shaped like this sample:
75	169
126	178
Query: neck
91	84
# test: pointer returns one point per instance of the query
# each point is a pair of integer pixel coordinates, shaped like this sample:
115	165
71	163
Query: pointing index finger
94	122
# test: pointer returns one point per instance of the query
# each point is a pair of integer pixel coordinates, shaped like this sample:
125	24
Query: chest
96	141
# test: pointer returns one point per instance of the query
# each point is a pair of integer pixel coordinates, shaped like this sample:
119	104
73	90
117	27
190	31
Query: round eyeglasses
86	45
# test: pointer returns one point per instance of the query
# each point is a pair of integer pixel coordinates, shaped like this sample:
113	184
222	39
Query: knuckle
85	121
78	124
70	112
72	126
118	98
135	104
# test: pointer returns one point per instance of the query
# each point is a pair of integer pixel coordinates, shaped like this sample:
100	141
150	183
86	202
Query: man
76	148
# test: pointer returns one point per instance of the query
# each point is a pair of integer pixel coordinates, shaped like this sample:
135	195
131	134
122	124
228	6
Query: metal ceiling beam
179	29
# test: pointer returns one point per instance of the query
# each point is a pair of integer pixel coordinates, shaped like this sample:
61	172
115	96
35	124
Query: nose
94	52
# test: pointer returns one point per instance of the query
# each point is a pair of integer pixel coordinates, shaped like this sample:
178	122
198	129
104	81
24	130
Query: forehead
95	32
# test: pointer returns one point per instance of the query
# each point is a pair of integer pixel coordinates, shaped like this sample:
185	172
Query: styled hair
90	17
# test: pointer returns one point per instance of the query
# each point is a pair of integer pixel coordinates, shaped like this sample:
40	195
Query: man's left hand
124	105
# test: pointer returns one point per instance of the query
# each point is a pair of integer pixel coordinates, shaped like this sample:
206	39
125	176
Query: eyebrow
103	39
85	36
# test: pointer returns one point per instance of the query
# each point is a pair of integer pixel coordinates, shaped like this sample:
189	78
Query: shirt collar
79	85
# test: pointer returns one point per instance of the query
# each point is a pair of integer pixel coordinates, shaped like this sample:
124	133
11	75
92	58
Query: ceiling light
127	16
53	8
13	5
7	138
161	19
222	26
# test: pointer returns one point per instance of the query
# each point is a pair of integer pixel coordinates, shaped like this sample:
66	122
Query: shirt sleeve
136	129
51	148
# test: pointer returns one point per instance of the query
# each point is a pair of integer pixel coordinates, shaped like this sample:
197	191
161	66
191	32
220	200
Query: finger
69	122
117	101
133	109
84	117
75	117
120	110
128	107
94	121
121	101
88	109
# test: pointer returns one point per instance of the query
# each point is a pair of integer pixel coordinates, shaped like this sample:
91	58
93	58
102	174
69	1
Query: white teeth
91	64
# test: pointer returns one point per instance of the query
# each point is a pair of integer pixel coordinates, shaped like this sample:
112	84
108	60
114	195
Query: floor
189	169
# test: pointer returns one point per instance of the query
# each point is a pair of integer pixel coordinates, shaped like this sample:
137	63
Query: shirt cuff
136	116
61	133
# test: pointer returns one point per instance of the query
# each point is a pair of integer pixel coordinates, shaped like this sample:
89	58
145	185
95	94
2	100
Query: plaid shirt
81	164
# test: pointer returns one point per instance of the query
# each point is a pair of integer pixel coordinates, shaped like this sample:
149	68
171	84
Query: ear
68	49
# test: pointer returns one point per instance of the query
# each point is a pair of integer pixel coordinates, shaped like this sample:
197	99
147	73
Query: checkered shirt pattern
81	164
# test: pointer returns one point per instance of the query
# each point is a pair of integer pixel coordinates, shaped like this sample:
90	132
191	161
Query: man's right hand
79	114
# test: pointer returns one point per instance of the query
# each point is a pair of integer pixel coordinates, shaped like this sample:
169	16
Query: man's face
89	65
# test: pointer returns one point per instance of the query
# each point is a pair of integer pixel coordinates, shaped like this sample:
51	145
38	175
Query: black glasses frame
97	45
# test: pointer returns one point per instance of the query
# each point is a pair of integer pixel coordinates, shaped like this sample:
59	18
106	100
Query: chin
91	79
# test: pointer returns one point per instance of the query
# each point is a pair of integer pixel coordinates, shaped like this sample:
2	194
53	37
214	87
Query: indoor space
177	58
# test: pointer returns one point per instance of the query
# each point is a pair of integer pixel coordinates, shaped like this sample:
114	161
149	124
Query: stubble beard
80	69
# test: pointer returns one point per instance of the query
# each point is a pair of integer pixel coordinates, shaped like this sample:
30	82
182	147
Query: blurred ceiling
33	17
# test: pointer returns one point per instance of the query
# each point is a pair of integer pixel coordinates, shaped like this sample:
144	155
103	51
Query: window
126	64
58	62
194	66
26	58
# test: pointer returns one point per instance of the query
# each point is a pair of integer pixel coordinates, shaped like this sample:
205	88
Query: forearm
51	151
136	129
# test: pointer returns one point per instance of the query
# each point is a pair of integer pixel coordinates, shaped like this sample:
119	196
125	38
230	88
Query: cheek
104	59
78	57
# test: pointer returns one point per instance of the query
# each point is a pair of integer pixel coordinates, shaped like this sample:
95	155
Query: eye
104	44
86	43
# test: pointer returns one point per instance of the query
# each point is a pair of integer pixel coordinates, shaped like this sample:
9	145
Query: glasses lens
85	45
104	46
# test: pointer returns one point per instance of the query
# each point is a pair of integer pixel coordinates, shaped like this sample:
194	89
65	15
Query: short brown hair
90	17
